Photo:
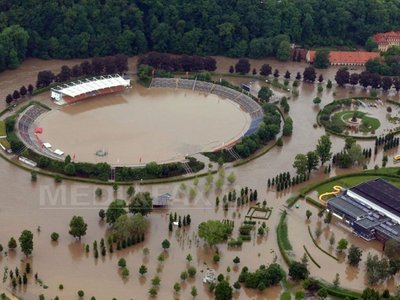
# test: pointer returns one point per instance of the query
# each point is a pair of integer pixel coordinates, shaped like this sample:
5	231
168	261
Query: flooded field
143	125
26	205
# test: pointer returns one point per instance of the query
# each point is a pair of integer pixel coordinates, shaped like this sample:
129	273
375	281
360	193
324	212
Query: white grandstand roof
59	152
89	85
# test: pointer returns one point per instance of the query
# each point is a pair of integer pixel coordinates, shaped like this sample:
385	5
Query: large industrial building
371	208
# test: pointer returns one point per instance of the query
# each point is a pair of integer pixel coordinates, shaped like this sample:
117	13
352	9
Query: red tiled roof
384	37
347	57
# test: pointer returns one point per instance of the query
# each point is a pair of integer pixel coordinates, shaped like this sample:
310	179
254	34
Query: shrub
57	179
54	236
191	271
122	262
33	176
81	293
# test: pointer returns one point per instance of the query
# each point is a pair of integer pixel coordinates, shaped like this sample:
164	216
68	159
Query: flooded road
26	205
143	125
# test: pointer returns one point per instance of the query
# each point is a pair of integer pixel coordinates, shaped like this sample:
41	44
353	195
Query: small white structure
210	277
47	145
59	152
27	161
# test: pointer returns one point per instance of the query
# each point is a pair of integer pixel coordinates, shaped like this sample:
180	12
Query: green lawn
285	296
349	182
368	123
5	143
2	128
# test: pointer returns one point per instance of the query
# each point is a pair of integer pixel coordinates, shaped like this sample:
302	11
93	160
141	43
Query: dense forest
253	28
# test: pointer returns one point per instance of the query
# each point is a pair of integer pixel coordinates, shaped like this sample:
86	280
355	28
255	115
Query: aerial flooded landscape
200	150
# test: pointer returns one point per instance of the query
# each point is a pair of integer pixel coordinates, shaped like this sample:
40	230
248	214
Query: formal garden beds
348	117
259	213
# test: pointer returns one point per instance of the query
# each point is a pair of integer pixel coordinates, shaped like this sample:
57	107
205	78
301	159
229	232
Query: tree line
97	66
367	79
68	29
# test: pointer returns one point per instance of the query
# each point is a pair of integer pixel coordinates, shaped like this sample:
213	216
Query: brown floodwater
26	205
143	125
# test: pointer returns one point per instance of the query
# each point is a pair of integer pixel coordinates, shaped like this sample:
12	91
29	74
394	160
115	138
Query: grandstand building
371	208
83	89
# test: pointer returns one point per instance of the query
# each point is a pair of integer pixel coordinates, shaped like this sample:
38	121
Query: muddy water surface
24	205
143	125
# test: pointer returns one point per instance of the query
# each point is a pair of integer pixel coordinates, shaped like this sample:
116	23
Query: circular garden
356	117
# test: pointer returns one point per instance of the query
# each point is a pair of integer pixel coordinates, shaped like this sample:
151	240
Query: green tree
213	232
12	243
26	242
141	203
312	161
223	291
142	270
298	271
165	244
193	291
283	51
191	271
321	60
184	275
323	150
355	153
354	255
115	210
371	44
265	94
153	292
300	164
342	245
129	226
189	258
54	236
177	287
102	214
77	227
322	293
122	262
308	214
69	169
392	248
317	100
130	191
156	281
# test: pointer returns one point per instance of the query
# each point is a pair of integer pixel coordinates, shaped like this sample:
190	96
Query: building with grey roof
371	208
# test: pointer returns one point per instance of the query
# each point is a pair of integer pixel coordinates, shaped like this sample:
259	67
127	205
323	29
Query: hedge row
312	258
316	245
339	292
282	237
315	203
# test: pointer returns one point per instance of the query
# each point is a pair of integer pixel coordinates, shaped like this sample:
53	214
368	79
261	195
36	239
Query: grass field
2	128
349	182
368	123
